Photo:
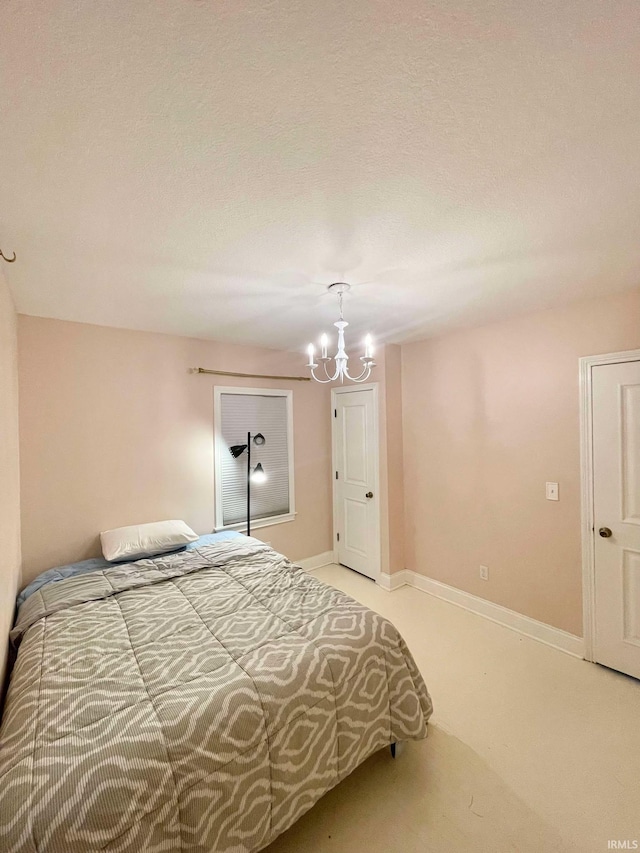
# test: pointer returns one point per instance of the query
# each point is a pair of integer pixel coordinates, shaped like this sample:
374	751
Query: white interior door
616	501
356	480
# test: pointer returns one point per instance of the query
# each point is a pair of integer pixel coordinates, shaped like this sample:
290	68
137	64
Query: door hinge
335	413
336	475
338	536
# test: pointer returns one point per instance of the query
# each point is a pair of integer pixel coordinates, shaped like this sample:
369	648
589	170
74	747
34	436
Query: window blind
254	413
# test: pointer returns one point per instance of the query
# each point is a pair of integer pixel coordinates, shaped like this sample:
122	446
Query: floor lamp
257	475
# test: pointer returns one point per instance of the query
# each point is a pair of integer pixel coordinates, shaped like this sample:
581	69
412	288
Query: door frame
370	386
587	363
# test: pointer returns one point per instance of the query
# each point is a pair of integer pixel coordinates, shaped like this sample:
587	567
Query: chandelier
341	358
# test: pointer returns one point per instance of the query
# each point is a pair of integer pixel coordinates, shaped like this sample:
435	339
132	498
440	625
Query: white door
356	480
616	500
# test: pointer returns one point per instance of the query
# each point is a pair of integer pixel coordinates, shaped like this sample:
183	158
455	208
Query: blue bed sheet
59	573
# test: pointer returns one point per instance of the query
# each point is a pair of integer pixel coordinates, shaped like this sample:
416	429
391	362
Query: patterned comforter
200	702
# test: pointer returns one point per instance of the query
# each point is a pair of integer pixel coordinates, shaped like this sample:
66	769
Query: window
237	412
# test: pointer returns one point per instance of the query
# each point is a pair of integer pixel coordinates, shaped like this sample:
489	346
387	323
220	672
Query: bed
200	701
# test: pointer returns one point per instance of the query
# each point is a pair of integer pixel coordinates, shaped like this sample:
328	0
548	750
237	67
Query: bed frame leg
396	749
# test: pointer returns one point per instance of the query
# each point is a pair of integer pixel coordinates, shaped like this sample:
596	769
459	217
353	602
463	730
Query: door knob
605	532
369	495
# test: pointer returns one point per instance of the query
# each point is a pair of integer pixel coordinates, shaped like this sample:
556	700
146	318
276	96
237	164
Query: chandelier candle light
341	358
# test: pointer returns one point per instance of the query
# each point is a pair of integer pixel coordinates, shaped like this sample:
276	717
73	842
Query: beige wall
115	430
9	470
489	416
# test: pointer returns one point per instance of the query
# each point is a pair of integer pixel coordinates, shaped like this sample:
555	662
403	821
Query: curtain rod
252	375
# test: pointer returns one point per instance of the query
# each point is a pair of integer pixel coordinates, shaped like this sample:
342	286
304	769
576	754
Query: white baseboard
555	637
311	563
395	581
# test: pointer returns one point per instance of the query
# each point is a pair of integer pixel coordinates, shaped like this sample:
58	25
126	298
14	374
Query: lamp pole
258	475
248	484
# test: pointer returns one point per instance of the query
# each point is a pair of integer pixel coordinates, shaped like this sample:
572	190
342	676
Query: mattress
200	701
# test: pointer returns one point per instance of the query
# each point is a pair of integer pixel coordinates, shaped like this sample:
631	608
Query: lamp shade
258	474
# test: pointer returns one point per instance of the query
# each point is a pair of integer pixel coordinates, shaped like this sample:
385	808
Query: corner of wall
395	456
9	466
391	461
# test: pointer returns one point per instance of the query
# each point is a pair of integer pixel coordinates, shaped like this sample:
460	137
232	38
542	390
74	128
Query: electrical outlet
484	573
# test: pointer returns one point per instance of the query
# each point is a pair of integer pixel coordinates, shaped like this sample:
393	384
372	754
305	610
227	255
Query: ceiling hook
5	258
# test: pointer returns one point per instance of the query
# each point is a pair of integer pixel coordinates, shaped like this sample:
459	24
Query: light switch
552	492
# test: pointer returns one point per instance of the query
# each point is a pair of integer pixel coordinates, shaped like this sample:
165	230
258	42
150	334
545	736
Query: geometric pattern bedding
200	701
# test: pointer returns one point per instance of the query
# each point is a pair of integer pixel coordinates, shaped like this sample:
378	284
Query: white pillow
145	540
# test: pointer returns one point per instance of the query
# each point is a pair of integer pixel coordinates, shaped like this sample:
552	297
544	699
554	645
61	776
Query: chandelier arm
366	373
326	373
323	381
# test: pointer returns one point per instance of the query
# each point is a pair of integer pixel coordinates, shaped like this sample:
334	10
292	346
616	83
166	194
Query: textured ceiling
206	168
